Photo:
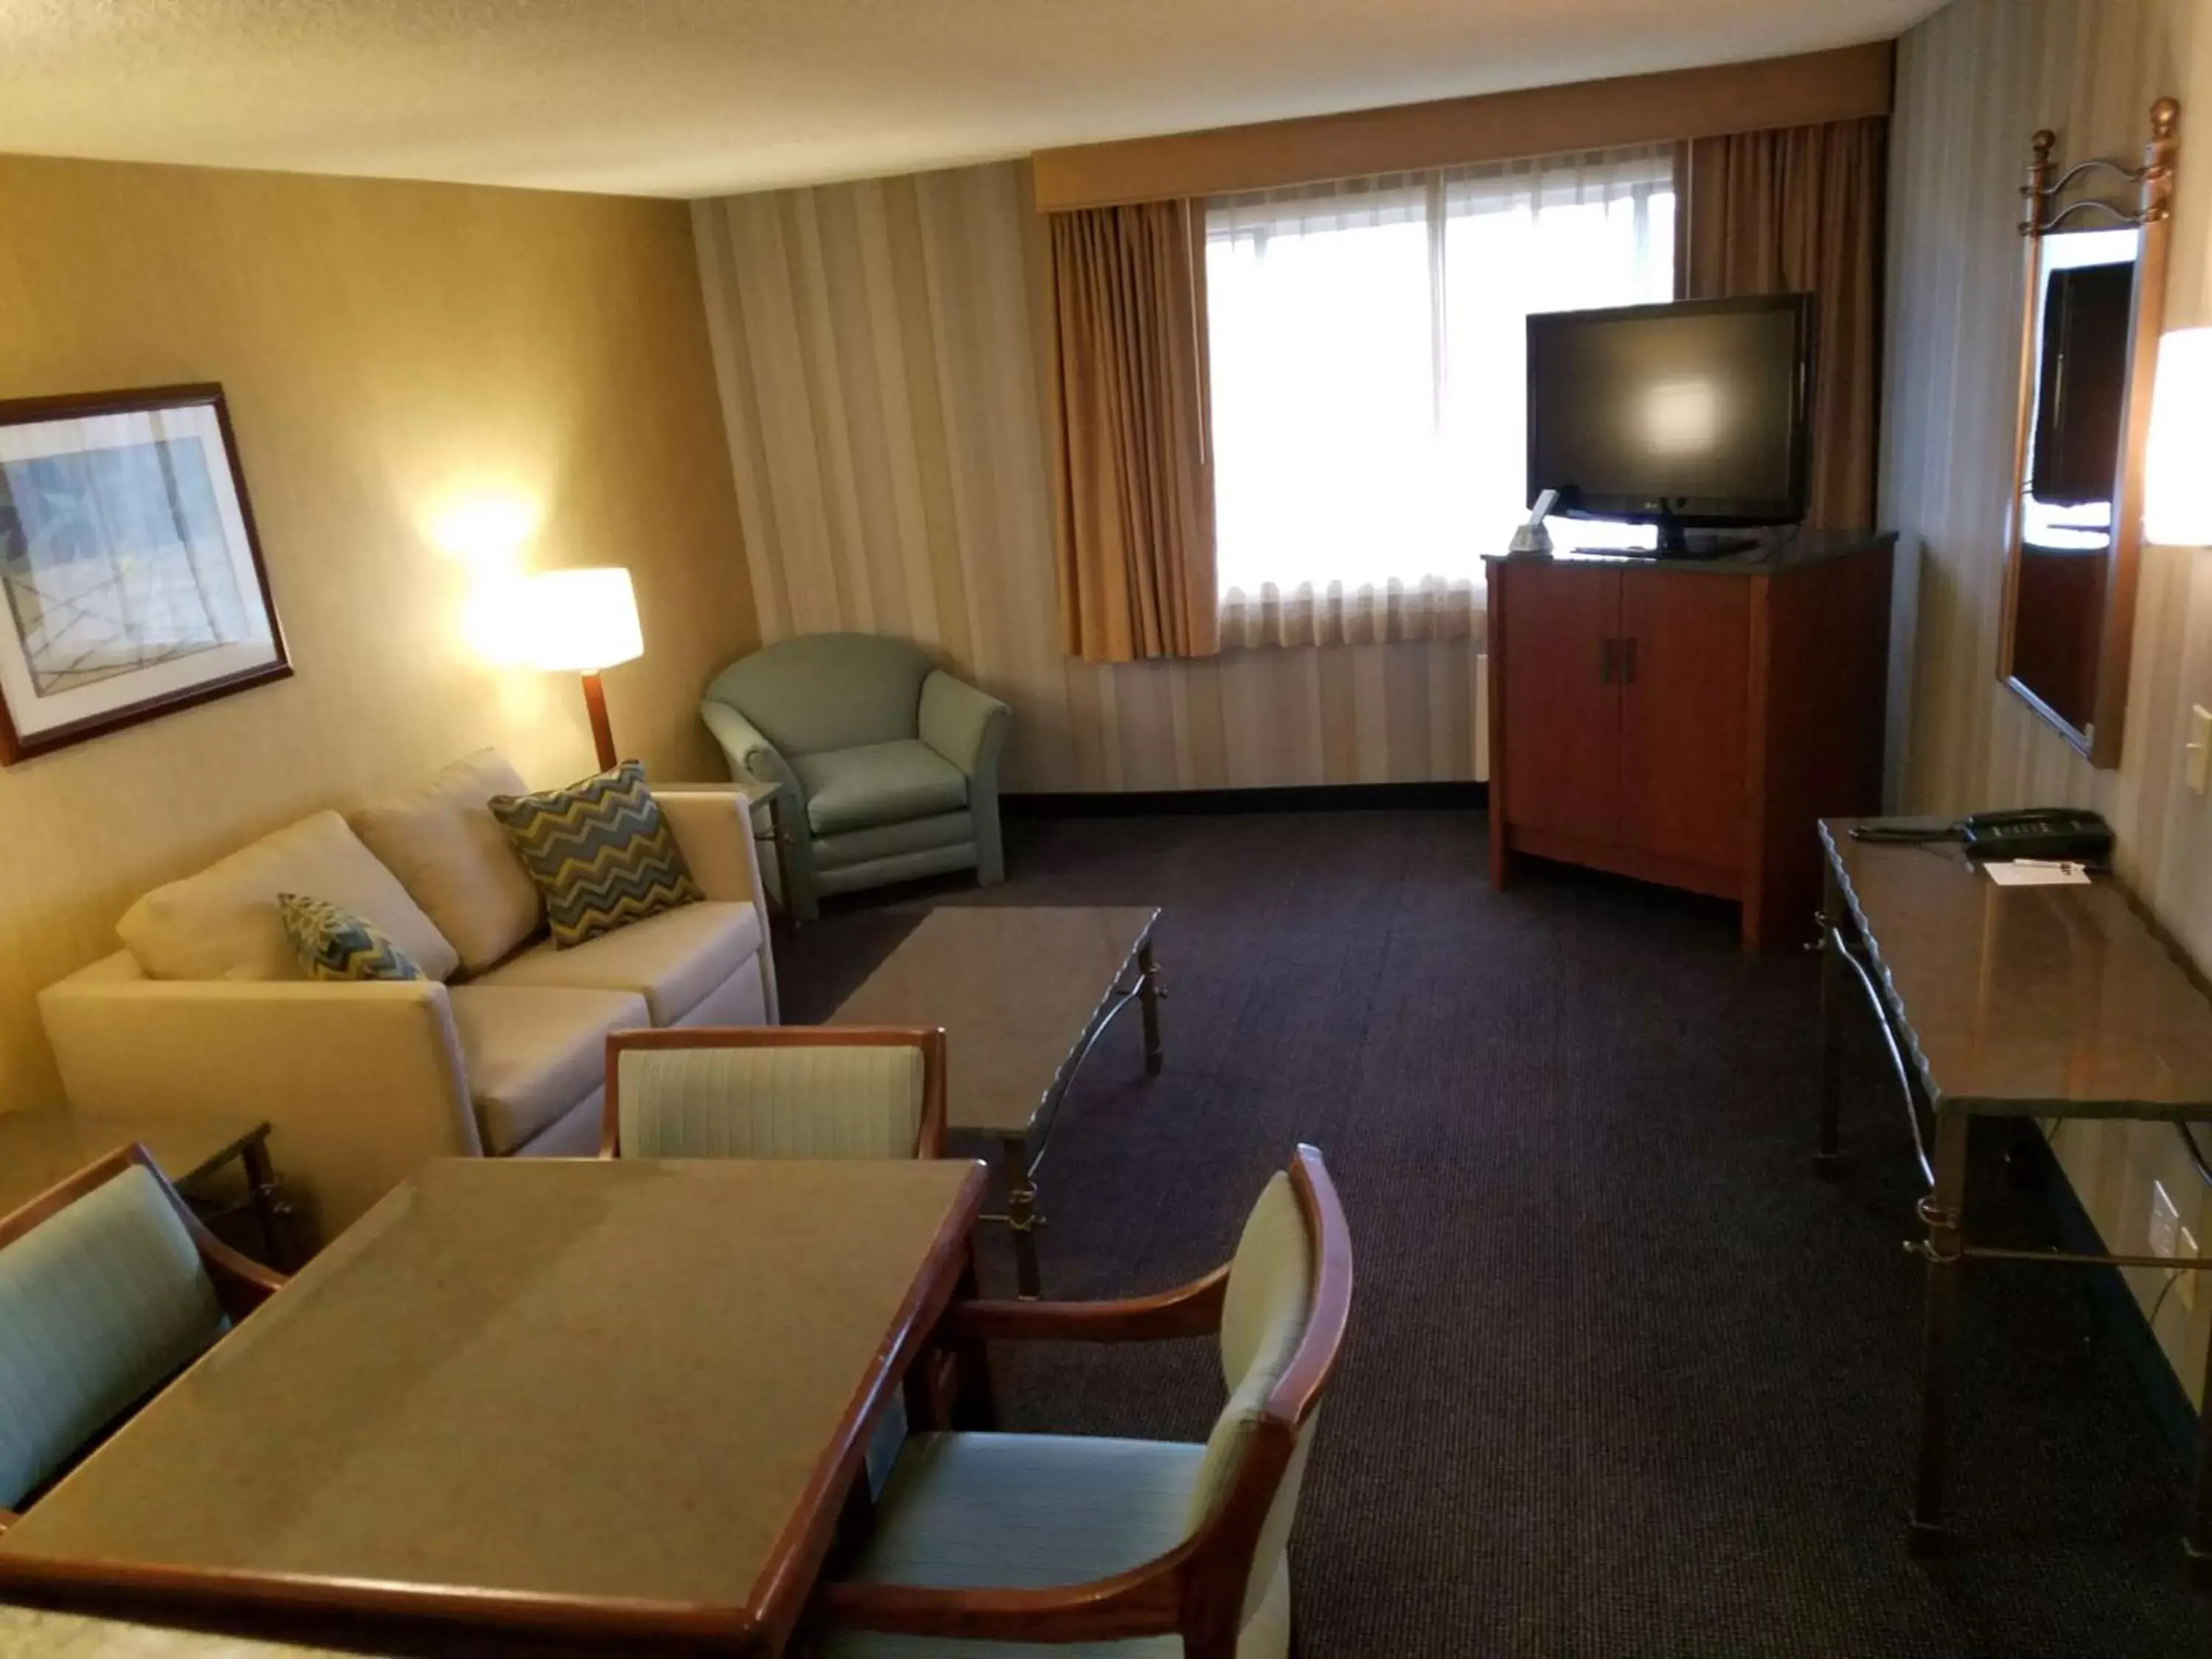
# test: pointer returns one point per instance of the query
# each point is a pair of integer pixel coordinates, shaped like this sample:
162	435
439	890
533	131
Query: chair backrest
103	1296
1282	1322
827	692
775	1091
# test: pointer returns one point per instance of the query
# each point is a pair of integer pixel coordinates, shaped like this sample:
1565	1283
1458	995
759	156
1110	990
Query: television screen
2082	390
1685	414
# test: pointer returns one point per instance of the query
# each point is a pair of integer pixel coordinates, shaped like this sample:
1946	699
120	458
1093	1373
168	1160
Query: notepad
2036	873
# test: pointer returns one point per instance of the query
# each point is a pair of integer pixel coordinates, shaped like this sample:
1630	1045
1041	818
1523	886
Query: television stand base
1676	542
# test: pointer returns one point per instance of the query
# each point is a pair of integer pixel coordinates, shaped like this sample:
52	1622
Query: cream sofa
501	1052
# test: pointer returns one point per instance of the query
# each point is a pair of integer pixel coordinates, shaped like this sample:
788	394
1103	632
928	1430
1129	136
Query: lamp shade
2178	459
582	620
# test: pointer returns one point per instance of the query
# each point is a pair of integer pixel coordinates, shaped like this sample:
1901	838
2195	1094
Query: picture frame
131	579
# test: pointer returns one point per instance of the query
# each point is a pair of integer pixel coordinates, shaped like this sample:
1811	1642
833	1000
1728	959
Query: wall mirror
2095	235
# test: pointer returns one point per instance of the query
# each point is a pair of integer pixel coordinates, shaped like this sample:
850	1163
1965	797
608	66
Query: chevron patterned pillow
600	851
339	944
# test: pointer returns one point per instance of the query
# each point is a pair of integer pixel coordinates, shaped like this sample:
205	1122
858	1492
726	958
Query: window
1366	362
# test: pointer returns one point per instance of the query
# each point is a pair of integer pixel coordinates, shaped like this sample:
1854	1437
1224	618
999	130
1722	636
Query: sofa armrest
965	725
362	1084
750	754
714	830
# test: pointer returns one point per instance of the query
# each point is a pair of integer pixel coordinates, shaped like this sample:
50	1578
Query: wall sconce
2177	458
581	621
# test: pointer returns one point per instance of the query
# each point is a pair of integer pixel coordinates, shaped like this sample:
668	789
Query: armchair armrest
1145	1601
1192	1309
362	1083
750	753
964	724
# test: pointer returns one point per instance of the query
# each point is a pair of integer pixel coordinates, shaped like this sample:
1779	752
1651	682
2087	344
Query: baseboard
1317	797
2123	1317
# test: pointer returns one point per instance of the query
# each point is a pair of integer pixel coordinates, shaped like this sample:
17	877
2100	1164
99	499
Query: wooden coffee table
1023	993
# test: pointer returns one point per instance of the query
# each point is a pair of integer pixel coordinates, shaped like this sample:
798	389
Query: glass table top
1015	987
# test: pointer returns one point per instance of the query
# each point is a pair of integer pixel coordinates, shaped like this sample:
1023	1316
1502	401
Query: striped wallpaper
1972	84
876	348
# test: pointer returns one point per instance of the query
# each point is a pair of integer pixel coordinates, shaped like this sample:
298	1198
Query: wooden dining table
526	1403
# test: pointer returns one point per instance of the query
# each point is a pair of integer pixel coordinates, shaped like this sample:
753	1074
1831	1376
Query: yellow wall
1973	83
391	353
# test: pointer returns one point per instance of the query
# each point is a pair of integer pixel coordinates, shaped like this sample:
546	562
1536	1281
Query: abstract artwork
132	581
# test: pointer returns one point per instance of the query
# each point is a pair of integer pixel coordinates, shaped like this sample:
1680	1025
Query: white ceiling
698	97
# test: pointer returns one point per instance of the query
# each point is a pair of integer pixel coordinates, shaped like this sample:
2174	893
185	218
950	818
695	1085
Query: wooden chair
993	1546
825	1091
109	1285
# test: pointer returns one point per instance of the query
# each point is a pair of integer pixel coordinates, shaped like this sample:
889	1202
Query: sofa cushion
533	1053
453	858
673	960
600	852
884	783
222	922
335	943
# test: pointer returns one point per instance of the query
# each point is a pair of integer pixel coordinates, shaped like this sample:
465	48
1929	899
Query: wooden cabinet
1690	723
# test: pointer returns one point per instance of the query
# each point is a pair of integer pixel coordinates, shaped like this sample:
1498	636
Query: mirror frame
2151	214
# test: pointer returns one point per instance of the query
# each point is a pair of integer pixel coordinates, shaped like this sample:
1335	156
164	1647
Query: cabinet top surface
1779	551
2025	1001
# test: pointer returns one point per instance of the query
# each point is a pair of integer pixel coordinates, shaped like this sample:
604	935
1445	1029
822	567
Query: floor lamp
582	622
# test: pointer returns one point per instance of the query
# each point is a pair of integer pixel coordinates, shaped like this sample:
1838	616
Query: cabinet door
1562	699
1686	715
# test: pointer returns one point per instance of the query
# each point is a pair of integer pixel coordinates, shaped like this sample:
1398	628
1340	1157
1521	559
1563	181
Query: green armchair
889	766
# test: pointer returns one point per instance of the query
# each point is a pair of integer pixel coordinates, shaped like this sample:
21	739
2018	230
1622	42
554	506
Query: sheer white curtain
1367	360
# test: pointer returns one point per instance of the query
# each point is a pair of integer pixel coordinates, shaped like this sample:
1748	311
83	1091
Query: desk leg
1022	1219
1827	1158
1148	1001
1944	1211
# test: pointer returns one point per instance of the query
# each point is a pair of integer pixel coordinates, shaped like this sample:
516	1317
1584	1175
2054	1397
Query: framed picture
132	578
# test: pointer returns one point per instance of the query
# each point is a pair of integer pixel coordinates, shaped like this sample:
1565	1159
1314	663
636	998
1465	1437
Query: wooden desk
541	1398
39	1150
2041	1002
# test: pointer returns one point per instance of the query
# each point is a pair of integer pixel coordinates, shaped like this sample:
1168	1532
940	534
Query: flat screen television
1684	415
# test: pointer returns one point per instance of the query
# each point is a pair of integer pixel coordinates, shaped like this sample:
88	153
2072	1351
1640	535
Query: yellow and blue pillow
335	942
600	852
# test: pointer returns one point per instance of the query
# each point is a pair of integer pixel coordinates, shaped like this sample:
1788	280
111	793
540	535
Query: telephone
2039	832
2070	833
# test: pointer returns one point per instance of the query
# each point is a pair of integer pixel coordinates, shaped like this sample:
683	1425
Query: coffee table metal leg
1022	1219
1148	998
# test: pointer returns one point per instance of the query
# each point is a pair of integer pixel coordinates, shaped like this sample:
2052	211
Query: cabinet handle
1628	661
1608	655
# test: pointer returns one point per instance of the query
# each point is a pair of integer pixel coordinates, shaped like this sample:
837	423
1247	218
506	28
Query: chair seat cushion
1021	1511
533	1053
884	783
672	960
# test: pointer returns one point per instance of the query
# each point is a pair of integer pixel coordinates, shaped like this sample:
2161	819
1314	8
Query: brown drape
1801	209
1133	496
